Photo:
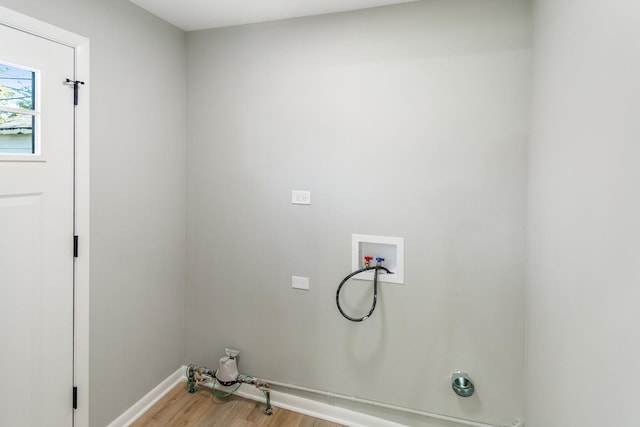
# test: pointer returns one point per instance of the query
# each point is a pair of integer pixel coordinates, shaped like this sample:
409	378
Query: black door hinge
75	84
75	397
75	246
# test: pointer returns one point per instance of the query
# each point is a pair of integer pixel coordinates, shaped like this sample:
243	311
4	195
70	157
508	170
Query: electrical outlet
300	197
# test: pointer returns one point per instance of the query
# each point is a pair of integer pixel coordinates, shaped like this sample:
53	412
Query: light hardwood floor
179	408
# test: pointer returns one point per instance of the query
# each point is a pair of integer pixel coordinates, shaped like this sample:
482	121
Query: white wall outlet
300	283
300	197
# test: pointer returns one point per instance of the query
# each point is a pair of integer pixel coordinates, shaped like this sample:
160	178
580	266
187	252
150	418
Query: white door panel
36	248
21	272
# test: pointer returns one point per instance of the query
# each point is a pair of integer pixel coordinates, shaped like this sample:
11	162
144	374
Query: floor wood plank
179	408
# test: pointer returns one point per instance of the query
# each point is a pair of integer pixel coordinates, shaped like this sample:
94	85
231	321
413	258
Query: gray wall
407	121
138	68
583	288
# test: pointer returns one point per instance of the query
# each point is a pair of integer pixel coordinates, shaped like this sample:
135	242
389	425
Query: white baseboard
316	409
150	399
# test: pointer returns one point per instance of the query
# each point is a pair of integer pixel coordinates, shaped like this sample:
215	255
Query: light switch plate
300	197
300	283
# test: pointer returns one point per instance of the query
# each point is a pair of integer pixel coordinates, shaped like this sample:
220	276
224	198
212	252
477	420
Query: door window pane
16	87
17	110
16	133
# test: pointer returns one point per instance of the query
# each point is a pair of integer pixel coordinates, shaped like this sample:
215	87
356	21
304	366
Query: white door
36	231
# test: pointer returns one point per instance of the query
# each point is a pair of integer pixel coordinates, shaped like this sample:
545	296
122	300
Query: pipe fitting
461	384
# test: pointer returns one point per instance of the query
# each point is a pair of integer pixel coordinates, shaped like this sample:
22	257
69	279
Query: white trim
372	403
345	416
313	408
150	399
36	27
30	25
82	230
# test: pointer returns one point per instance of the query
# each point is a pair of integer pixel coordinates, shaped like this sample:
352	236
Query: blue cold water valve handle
379	260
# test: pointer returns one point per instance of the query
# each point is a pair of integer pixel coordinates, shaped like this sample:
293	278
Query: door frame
80	45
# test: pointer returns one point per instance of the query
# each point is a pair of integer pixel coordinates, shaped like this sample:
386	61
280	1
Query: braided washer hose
377	268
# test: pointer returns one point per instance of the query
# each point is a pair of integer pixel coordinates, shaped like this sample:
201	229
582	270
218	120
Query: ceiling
201	14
